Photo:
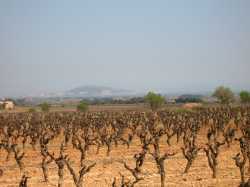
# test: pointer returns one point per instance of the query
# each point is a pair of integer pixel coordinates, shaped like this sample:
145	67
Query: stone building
7	105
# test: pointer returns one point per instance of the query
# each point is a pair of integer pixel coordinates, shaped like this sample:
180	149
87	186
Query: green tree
224	94
154	100
82	106
45	107
245	97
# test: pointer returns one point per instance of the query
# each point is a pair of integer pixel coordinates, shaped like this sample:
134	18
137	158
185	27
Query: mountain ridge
97	91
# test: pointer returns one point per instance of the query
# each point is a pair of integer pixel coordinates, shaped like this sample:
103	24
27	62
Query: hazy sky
169	46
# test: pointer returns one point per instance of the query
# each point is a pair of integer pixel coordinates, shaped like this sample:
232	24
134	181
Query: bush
82	107
154	100
224	95
44	107
245	97
32	110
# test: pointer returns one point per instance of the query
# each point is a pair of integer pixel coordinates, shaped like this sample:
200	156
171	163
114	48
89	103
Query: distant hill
97	91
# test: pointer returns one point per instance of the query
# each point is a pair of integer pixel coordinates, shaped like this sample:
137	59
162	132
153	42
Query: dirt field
108	167
92	108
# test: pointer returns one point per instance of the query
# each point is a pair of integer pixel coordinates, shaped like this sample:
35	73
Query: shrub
31	110
245	96
82	106
154	100
224	95
44	107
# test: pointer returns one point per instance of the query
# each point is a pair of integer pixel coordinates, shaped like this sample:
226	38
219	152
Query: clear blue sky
168	46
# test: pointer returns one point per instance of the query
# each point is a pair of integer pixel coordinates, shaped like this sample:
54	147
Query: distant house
7	105
171	100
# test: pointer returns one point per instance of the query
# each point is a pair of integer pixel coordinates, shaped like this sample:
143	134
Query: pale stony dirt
109	167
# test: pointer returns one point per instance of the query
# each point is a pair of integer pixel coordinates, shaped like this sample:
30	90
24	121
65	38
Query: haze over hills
87	92
97	91
94	91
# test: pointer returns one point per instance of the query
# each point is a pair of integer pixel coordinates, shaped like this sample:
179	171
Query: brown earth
108	167
92	108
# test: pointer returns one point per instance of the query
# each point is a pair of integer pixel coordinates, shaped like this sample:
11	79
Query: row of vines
20	132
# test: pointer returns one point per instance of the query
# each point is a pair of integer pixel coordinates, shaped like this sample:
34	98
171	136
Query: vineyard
199	147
